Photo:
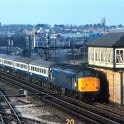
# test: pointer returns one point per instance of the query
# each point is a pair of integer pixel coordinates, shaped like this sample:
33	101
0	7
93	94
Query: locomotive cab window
80	74
87	73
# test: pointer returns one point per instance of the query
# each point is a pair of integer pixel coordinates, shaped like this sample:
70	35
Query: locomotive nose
88	84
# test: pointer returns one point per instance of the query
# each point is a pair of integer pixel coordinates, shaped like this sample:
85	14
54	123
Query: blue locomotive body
63	78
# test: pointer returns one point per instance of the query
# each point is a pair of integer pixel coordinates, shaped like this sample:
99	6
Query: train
77	81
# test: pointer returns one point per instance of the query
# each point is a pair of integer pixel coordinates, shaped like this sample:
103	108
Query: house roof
109	40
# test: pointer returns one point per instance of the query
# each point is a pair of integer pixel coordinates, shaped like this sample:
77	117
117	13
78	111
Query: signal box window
119	56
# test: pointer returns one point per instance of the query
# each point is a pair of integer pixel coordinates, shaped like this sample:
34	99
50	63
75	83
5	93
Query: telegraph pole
29	45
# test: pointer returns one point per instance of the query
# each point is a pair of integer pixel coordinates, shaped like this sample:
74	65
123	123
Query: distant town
15	38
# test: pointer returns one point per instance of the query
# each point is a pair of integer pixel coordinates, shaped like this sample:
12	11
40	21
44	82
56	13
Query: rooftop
109	40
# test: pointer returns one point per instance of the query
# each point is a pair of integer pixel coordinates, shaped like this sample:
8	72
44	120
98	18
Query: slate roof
109	40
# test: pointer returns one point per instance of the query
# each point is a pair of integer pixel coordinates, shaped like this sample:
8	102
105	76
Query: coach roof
10	57
24	60
40	62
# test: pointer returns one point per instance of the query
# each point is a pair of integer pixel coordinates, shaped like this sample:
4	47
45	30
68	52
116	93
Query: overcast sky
79	12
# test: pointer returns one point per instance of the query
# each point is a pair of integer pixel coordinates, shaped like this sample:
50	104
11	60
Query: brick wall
113	82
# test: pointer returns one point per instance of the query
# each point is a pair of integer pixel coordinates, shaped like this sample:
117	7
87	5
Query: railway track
109	108
1	119
15	117
84	111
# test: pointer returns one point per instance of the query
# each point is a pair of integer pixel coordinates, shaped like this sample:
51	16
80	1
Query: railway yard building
106	54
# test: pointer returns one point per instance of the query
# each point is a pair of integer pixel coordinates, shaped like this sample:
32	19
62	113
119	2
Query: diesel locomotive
77	81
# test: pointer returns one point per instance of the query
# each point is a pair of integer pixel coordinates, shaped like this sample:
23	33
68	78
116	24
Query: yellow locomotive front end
88	84
89	88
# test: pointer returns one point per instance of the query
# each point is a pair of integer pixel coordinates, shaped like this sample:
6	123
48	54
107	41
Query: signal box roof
109	40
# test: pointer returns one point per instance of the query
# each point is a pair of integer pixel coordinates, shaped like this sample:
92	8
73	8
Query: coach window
25	66
44	71
37	69
40	70
22	66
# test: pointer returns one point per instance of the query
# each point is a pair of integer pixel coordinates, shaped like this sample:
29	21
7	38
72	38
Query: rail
11	108
87	114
